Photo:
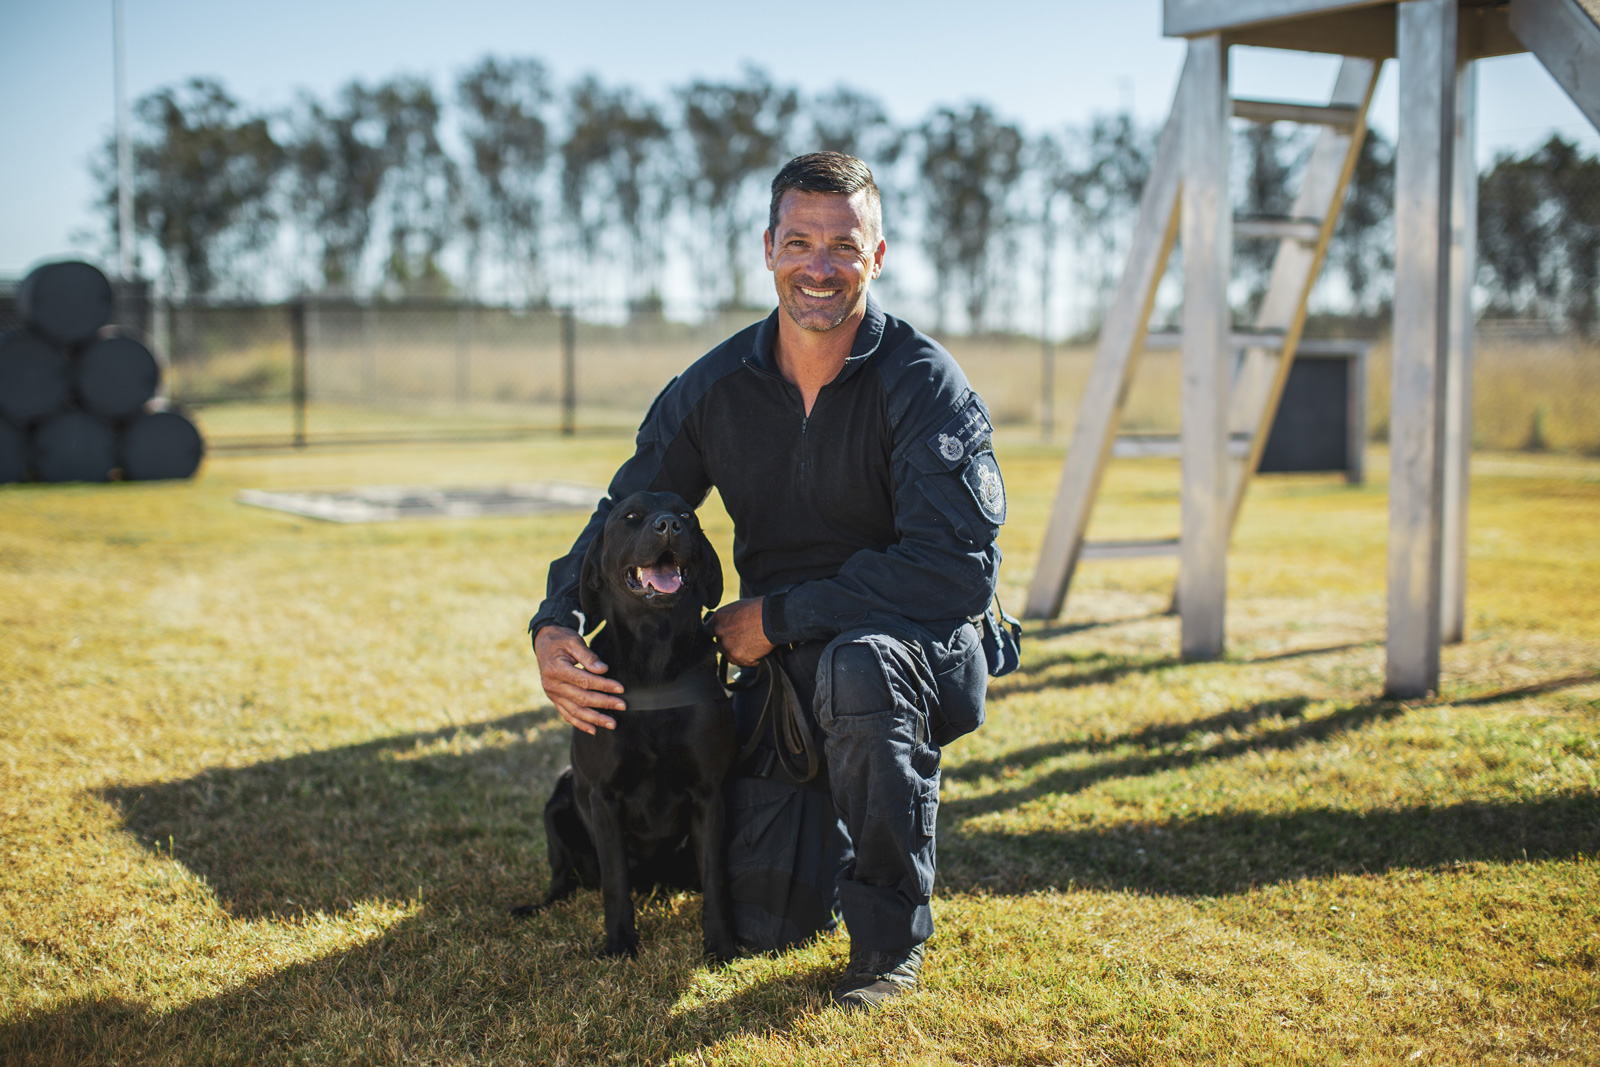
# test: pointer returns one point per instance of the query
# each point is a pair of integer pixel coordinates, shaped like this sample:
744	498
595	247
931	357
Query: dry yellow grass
268	786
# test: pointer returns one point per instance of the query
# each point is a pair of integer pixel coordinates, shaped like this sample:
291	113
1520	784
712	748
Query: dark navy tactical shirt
881	506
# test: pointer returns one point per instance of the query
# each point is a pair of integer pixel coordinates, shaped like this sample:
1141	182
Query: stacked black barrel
77	394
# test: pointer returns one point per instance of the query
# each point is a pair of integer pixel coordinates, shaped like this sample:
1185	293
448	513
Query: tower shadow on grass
1234	852
1213	855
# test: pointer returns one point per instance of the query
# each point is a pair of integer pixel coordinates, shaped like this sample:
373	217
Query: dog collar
691	687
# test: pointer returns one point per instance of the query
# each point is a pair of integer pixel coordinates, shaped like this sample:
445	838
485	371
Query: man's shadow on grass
447	824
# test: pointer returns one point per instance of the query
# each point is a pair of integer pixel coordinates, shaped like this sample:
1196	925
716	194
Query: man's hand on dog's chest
738	630
573	679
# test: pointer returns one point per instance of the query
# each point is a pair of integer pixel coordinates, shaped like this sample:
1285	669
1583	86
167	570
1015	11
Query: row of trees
511	187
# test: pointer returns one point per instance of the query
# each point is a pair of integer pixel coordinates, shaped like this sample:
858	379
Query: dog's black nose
668	525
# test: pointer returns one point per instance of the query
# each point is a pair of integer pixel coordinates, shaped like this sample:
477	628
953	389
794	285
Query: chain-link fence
328	371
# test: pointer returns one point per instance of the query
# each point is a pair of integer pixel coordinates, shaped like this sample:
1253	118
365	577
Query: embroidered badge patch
982	478
965	435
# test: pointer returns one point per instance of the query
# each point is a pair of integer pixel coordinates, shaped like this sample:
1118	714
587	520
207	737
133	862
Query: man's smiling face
825	252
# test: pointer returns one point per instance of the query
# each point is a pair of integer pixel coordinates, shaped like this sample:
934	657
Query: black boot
874	977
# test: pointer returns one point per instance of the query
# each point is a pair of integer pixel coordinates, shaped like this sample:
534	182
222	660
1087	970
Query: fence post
297	330
161	340
569	371
369	352
463	352
1047	389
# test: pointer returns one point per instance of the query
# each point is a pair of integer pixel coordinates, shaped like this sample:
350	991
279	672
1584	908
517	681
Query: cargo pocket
962	682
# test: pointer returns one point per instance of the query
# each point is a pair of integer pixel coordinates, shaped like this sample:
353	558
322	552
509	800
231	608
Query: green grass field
268	786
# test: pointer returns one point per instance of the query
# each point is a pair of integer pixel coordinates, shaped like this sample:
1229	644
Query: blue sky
1041	63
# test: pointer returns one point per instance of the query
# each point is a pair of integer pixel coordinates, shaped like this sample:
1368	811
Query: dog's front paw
621	946
526	911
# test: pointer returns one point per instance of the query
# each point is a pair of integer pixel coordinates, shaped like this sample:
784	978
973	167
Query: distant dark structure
78	395
1321	424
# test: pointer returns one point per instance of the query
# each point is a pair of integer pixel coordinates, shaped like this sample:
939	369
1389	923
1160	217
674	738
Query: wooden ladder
1265	352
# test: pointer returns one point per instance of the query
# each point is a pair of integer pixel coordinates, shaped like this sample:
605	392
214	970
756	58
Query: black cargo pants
859	839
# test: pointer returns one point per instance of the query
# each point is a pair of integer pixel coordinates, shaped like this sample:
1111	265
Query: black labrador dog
642	805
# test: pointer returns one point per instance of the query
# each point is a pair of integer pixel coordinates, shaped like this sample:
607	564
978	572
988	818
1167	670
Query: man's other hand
571	675
737	628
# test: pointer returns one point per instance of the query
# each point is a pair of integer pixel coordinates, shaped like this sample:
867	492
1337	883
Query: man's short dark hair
825	172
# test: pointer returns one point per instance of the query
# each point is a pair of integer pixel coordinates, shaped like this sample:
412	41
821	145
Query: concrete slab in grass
391	503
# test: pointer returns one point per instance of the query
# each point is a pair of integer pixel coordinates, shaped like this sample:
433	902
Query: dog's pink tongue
661	579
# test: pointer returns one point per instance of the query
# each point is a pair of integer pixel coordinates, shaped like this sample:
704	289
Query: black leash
791	738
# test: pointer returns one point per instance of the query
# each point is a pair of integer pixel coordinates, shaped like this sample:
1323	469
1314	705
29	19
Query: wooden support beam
1207	218
1264	372
1567	41
1458	377
1286	227
1341	116
1190	18
1116	358
1425	156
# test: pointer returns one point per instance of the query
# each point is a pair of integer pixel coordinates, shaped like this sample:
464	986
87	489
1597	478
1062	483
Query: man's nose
668	525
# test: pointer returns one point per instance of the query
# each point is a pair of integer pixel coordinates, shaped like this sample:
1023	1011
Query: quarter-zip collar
869	335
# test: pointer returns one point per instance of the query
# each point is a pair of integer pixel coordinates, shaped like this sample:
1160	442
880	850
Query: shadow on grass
1075	779
1101	668
449	820
448	823
1090	668
1044	631
1304	653
1176	748
1218	854
1150	736
414	996
385	820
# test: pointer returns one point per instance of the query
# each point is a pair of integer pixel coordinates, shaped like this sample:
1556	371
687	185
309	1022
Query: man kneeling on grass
856	463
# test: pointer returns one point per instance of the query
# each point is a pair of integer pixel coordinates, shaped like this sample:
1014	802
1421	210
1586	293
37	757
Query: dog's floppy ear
591	581
710	572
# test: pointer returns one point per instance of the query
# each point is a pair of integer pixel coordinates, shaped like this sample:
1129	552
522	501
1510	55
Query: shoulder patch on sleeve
982	478
963	436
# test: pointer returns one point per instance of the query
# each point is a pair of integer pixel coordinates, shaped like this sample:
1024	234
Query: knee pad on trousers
856	684
865	671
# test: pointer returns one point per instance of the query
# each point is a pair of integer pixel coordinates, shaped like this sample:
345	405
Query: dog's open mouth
662	578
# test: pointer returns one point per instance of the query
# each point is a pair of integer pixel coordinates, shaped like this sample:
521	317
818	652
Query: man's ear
591	581
710	572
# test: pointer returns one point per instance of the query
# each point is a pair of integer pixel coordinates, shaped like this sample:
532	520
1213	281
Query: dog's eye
683	514
631	515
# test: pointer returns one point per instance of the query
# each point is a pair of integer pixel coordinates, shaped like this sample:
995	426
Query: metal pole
569	371
124	147
369	353
161	339
1207	236
1047	389
1458	383
297	330
1426	38
463	352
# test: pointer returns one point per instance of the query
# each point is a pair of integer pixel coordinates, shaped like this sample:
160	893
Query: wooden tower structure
1232	378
